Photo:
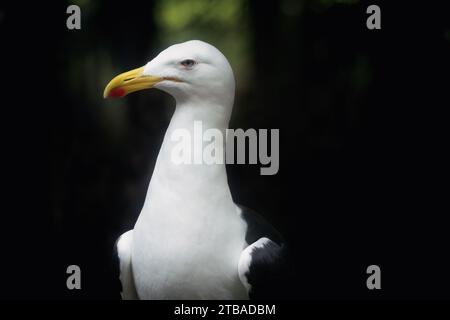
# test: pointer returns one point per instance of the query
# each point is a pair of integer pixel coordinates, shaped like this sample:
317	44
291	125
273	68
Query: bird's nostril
128	79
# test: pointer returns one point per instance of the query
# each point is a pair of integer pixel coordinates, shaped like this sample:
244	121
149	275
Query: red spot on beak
117	93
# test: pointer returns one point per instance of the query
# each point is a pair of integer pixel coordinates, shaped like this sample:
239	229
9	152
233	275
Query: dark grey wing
263	266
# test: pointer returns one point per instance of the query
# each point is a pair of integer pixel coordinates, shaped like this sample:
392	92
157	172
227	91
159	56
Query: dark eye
188	63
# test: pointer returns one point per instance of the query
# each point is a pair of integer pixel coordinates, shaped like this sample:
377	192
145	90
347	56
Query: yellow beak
128	82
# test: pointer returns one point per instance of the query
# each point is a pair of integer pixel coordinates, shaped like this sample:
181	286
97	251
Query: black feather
270	273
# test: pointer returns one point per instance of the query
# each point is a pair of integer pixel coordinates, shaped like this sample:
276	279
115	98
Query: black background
362	175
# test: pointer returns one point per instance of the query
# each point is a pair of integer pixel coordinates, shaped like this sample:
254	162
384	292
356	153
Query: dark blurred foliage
357	109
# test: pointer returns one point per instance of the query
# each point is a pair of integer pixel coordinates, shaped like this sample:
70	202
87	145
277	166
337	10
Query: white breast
176	256
189	235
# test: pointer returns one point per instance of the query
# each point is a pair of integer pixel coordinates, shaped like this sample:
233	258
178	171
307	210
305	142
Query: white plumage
190	237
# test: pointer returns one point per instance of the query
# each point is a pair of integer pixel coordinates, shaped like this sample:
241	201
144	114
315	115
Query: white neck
188	218
202	186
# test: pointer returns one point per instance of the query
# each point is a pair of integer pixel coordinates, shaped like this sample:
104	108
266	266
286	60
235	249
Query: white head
192	71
